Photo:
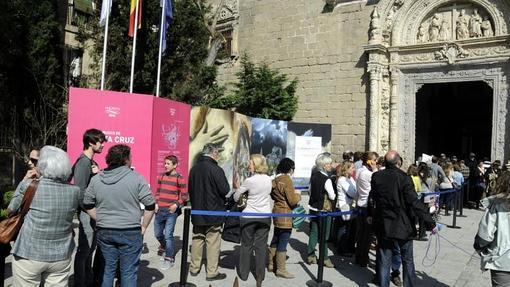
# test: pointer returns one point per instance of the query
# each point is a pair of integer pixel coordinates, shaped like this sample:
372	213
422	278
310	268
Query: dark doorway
454	118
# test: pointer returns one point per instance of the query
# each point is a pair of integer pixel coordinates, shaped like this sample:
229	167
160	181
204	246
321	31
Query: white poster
306	151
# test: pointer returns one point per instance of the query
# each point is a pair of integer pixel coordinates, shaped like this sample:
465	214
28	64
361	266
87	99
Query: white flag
105	10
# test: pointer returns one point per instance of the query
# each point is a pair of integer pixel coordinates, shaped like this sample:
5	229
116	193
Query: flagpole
105	42
134	48
161	30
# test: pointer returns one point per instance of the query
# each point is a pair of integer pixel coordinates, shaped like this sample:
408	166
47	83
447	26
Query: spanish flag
132	12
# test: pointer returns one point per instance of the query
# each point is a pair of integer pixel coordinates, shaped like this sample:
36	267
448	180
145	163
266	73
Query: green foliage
184	76
3	213
7	198
262	92
31	73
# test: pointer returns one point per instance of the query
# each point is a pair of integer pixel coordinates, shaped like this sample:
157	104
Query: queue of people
112	223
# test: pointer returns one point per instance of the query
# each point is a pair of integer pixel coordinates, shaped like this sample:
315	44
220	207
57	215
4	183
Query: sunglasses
33	161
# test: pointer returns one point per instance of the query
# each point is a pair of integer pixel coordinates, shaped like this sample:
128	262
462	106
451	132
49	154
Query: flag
168	17
131	31
106	7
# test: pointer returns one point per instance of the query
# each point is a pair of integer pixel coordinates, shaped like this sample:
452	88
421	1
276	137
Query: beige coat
285	199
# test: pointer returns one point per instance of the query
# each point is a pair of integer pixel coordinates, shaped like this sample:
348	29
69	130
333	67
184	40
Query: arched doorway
454	118
429	46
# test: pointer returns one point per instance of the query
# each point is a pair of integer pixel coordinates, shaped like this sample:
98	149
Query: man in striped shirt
171	194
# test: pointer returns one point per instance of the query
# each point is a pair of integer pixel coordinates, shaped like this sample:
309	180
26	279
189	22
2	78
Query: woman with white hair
322	195
43	248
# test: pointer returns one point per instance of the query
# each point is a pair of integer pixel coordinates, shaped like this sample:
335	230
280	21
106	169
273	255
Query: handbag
10	227
297	221
242	202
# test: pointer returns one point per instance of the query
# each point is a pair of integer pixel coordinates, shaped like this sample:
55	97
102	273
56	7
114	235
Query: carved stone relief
451	52
420	40
455	22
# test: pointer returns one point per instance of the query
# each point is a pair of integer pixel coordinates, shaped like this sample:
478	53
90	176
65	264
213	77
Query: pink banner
124	118
170	135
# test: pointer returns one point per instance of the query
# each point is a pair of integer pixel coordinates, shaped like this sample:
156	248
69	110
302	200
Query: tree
184	76
261	92
31	75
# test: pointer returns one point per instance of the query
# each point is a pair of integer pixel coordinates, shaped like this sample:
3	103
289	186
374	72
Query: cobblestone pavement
456	264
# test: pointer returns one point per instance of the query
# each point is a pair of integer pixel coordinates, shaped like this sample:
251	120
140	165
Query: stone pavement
456	265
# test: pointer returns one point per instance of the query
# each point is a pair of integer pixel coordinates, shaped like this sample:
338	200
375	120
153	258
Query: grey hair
54	163
210	149
322	160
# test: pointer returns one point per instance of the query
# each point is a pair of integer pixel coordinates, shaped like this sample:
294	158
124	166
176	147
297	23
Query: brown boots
271	256
281	270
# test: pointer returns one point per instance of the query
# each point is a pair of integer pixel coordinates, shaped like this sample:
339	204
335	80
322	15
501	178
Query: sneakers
219	276
167	263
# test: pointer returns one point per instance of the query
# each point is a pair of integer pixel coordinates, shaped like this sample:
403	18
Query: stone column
394	109
375	71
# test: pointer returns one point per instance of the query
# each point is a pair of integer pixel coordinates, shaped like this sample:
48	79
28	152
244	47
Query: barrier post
184	255
445	203
460	202
454	220
322	250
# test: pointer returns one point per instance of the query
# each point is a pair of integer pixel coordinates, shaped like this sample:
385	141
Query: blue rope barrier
256	214
446	191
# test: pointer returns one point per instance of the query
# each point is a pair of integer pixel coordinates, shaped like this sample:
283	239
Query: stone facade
323	50
360	65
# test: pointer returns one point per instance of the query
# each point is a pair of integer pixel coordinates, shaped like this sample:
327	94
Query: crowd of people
115	206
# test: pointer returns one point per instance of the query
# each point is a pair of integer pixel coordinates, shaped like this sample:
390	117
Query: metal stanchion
460	202
184	255
454	220
322	250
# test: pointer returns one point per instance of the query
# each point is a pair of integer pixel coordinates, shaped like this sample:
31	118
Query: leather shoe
219	276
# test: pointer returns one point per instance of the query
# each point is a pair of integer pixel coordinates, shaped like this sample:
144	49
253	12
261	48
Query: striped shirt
172	189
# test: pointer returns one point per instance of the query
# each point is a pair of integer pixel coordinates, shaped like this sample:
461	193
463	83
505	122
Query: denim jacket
493	238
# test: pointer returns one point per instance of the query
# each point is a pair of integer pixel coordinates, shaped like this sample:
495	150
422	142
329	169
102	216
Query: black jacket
207	187
393	204
317	190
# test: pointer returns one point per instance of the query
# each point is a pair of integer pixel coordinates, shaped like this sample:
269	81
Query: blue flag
168	17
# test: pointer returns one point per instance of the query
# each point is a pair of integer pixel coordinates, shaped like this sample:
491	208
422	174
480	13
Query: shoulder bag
10	227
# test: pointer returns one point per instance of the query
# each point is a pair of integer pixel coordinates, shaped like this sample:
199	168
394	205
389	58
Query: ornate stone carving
407	26
486	27
451	52
475	24
462	30
229	11
412	14
435	25
375	28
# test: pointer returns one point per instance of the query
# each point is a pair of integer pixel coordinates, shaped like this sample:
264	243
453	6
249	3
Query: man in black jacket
208	187
392	205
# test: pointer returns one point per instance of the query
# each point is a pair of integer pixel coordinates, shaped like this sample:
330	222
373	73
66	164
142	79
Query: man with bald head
392	204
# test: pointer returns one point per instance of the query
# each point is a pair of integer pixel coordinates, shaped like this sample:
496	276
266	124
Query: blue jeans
164	225
280	239
385	254
124	246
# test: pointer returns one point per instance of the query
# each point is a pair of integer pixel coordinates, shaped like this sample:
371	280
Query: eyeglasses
33	161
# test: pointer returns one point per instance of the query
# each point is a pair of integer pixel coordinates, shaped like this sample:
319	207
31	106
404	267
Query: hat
472	154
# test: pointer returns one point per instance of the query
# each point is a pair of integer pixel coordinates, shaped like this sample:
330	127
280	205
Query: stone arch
405	16
398	64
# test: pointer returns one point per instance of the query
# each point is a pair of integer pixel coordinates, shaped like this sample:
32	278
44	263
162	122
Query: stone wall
324	50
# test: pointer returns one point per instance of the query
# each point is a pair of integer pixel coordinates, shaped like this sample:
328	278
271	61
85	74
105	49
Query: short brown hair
172	158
